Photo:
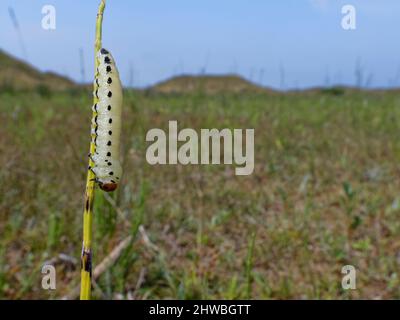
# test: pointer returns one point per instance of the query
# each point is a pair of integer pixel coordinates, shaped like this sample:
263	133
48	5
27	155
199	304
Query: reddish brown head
108	187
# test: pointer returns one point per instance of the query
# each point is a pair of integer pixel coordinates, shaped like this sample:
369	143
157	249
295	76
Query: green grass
324	193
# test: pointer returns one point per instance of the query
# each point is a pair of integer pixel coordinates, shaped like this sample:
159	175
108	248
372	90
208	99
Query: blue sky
277	43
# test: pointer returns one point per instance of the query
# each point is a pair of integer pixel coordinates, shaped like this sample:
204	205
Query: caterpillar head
106	177
108	187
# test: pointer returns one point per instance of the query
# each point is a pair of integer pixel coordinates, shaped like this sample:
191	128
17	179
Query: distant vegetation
208	84
18	75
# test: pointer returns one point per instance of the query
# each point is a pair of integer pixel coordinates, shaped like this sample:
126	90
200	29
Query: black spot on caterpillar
107	126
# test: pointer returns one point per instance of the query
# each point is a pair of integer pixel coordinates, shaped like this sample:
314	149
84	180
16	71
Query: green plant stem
86	258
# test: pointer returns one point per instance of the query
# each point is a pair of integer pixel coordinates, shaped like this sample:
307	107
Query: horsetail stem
86	258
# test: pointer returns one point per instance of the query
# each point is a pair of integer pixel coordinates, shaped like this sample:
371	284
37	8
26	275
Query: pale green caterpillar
107	123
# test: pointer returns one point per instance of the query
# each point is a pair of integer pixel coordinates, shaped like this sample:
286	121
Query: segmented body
107	123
